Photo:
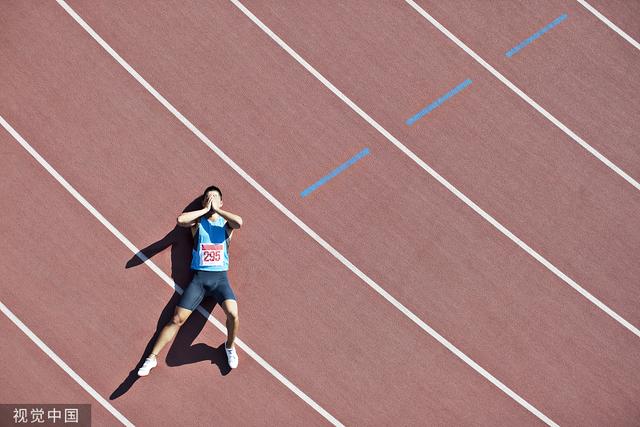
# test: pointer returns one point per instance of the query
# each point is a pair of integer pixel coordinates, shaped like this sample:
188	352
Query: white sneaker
232	356
147	366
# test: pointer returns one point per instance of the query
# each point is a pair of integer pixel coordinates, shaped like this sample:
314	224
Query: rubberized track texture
435	233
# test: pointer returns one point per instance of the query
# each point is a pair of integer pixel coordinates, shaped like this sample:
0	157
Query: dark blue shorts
204	284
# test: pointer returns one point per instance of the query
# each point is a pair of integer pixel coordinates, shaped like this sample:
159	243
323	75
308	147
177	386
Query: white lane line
466	359
436	175
162	274
610	24
524	96
61	363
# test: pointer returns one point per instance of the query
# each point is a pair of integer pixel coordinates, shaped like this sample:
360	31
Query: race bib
211	254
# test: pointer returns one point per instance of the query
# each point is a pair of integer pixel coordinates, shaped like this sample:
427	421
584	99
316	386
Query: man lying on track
212	229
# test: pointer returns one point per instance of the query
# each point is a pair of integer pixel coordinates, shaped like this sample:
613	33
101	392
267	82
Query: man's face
215	198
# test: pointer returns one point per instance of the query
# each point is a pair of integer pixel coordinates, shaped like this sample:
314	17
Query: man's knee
232	315
179	319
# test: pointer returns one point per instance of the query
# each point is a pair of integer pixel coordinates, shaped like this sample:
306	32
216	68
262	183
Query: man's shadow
182	351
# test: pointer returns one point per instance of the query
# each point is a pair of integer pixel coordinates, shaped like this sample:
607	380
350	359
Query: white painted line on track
524	96
466	359
61	363
436	175
610	24
162	275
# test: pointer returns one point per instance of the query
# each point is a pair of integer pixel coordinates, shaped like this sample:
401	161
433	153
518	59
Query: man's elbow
238	223
181	222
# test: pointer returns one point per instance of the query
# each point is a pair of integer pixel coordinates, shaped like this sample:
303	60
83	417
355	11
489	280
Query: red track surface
304	312
623	13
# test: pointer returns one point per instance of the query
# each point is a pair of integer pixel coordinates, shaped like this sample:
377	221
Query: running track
355	355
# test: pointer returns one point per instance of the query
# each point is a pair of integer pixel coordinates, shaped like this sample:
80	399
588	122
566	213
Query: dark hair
211	188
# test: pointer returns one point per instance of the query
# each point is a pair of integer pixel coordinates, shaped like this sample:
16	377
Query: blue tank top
211	246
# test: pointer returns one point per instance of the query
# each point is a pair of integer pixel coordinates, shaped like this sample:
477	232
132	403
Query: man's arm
189	219
234	221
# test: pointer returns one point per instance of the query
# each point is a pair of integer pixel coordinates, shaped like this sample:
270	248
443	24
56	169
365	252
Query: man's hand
213	202
189	219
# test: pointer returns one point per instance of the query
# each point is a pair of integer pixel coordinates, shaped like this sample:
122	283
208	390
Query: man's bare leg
230	308
170	330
